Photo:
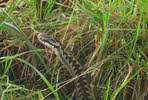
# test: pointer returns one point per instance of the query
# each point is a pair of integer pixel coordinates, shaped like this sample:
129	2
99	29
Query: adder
74	68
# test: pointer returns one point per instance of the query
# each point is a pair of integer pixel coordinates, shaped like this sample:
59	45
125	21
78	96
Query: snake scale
74	68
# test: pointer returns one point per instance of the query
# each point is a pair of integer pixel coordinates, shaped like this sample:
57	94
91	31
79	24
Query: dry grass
109	38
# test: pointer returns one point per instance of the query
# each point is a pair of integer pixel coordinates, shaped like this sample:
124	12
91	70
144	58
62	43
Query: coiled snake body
82	91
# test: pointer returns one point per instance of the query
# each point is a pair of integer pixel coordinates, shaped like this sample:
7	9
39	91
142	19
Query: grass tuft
108	37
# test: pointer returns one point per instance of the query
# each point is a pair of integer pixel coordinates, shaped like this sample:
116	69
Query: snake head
49	41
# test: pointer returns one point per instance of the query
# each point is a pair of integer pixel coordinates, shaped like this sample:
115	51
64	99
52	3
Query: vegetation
108	37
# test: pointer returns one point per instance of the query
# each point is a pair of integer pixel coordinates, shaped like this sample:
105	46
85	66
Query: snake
71	64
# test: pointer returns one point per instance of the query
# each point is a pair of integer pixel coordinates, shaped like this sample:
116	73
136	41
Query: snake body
82	90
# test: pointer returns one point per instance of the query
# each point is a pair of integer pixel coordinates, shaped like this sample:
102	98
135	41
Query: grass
109	38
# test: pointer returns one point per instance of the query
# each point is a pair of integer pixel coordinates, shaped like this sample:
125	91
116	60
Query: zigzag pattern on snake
74	68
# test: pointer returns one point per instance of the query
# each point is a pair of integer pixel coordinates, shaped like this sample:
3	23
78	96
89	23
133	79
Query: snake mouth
43	35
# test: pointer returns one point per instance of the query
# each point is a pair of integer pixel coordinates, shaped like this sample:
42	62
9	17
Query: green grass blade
121	87
42	76
107	91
